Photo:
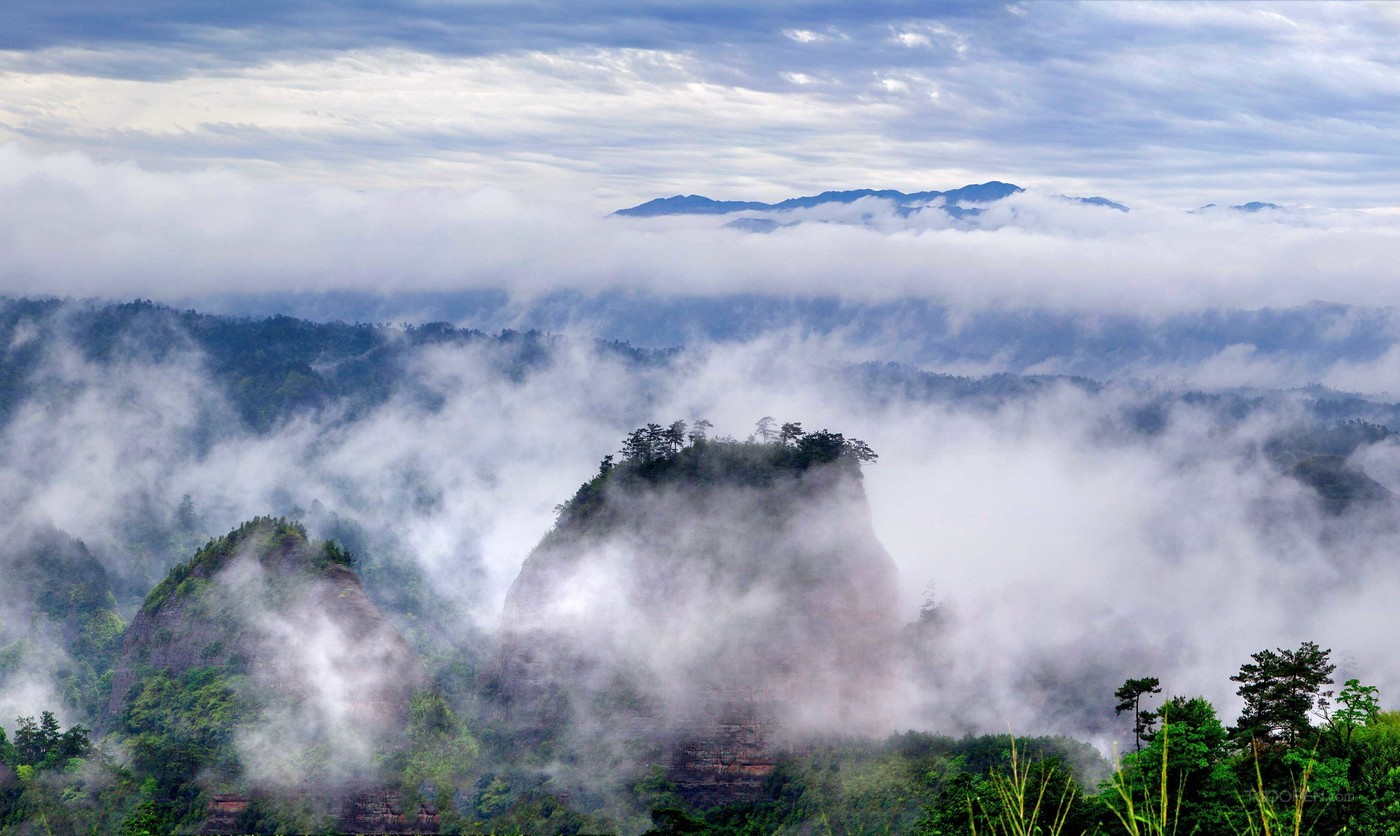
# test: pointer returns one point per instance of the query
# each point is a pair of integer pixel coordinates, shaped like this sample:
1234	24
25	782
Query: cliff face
383	811
719	605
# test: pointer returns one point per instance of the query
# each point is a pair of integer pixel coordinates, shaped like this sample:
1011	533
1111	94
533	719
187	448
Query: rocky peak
720	601
233	603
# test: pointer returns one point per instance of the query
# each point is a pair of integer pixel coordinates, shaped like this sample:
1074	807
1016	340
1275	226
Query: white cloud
73	226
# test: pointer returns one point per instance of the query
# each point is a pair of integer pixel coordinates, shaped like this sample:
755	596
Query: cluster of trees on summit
655	442
688	454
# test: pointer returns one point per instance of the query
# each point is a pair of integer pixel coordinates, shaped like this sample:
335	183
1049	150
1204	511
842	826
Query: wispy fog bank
75	226
1067	547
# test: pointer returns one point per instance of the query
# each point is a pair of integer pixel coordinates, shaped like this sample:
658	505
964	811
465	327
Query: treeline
271	368
655	442
1301	758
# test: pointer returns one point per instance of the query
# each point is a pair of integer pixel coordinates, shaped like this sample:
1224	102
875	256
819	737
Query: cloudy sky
1167	104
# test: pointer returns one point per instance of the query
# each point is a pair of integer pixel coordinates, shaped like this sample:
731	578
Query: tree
34	741
861	451
699	431
656	441
674	436
1130	699
764	428
42	744
789	432
637	447
1280	690
821	447
1181	772
441	750
1357	705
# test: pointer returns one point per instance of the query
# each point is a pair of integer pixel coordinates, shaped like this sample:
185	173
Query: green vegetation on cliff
655	456
262	536
68	617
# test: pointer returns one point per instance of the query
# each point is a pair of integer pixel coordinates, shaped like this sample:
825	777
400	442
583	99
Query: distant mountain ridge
905	202
700	205
1251	207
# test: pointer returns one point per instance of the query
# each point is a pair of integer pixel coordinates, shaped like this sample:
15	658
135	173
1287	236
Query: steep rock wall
719	619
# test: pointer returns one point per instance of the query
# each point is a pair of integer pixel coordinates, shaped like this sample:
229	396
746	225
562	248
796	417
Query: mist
1062	549
75	226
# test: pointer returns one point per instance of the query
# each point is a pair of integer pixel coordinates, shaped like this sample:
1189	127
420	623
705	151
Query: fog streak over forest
1063	550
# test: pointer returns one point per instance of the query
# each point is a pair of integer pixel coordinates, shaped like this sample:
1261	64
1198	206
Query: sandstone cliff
718	603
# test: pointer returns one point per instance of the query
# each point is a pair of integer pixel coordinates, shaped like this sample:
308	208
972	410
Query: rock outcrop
719	603
268	603
223	813
262	661
383	811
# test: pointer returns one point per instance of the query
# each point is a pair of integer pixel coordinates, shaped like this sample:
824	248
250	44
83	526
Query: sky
612	103
242	158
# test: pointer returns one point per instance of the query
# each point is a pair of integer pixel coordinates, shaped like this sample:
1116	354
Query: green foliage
1281	690
12	657
333	555
72	618
294	814
441	754
179	728
1027	798
1129	698
1374	803
1357	706
1339	484
151	817
547	813
72	787
270	369
1182	781
492	798
42	745
260	536
1193	777
657	456
1024	794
